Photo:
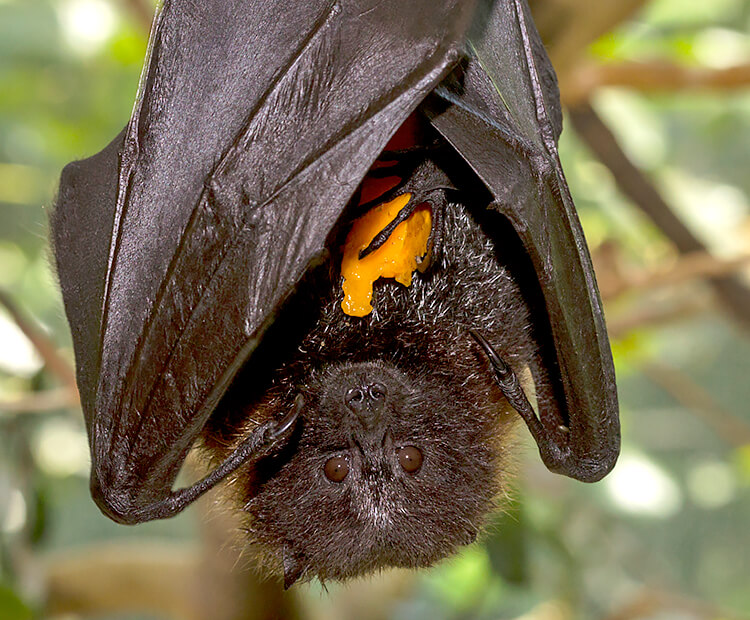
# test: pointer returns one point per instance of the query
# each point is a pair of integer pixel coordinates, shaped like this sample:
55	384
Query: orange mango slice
397	258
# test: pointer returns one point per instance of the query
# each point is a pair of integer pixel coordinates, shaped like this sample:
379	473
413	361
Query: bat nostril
354	397
366	399
378	391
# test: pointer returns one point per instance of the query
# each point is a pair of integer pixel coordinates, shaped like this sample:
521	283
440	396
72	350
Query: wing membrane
254	125
503	117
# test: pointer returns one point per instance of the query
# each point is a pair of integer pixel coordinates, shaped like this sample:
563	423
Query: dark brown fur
442	398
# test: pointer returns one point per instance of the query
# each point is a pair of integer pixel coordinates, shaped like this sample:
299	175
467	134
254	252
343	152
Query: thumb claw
288	421
497	362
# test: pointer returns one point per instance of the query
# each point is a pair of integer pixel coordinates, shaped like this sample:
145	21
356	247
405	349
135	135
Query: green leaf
11	606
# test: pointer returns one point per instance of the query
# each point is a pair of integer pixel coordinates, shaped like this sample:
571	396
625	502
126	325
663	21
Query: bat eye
336	468
410	458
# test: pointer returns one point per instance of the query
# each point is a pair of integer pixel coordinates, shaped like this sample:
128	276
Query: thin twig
733	430
41	402
654	76
688	267
618	327
634	184
44	345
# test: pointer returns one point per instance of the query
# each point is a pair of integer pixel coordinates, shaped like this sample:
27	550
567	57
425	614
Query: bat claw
424	180
280	428
500	367
511	388
555	452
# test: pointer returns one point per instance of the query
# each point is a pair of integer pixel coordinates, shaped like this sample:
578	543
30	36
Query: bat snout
365	392
366	400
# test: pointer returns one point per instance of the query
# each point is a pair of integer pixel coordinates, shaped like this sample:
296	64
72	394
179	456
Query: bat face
403	443
395	482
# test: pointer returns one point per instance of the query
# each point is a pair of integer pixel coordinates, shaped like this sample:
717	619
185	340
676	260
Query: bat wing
255	122
81	225
502	113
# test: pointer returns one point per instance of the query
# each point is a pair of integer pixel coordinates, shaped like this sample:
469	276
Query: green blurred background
666	535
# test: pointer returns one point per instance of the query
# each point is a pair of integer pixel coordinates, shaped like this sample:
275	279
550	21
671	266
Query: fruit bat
201	257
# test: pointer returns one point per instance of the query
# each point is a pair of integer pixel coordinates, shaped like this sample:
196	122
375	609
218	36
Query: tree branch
568	27
41	402
696	265
618	327
44	345
655	76
123	578
634	184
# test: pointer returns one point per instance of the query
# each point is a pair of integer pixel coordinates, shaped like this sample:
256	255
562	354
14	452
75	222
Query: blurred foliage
673	516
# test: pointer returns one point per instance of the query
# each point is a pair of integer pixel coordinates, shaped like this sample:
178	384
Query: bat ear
294	566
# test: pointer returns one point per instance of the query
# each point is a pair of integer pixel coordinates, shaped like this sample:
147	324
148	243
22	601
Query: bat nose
367	401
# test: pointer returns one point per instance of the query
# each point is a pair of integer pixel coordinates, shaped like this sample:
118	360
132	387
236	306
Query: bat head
402	446
383	473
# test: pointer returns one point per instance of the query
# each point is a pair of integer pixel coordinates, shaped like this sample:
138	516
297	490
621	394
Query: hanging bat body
201	258
400	402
